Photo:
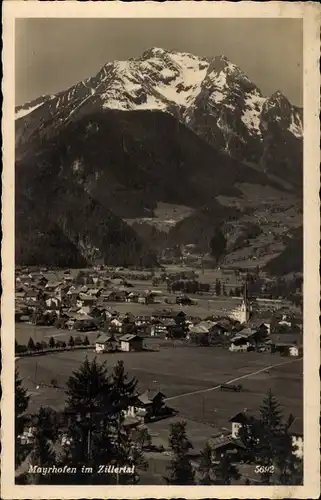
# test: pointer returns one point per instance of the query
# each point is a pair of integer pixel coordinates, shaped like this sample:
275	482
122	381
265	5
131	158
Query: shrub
20	348
78	340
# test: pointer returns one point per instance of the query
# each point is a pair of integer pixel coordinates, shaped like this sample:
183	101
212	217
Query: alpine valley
156	152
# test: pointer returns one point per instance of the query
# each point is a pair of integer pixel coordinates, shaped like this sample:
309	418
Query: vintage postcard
160	219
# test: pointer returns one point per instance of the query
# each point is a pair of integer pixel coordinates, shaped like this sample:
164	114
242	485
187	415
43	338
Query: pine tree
181	471
21	405
89	411
270	430
127	452
124	388
31	345
86	341
217	244
88	388
51	343
95	411
38	346
217	287
270	413
71	341
271	420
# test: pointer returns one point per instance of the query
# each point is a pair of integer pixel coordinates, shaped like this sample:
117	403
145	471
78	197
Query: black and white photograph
159	313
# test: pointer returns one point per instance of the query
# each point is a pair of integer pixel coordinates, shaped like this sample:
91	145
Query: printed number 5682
264	469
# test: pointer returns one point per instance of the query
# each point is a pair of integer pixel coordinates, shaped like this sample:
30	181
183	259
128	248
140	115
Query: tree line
33	346
193	286
189	286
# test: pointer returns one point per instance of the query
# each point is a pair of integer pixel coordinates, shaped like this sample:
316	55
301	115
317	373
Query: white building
106	343
294	350
131	342
243	347
117	324
297	442
241	313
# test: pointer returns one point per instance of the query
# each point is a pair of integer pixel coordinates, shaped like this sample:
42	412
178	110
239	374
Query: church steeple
242	312
246	305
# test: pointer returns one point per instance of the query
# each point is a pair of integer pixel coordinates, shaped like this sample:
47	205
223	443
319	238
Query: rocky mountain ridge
213	97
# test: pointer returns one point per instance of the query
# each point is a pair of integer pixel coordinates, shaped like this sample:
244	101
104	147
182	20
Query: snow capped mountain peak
212	96
152	52
220	62
278	111
278	98
29	107
277	95
277	103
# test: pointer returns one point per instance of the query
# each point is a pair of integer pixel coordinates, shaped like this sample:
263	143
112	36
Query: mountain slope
115	164
213	97
281	130
291	258
58	222
132	160
166	128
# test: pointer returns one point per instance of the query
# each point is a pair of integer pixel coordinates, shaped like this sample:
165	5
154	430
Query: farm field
203	308
188	376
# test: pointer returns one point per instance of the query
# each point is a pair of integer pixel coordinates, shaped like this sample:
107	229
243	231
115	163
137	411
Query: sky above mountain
53	54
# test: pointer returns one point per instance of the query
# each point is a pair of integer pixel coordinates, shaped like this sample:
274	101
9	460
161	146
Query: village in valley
206	346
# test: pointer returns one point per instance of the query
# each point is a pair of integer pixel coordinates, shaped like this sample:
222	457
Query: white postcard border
310	12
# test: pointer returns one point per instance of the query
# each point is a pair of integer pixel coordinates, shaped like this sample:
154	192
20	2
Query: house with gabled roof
225	444
53	304
131	342
161	328
150	404
106	342
79	321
